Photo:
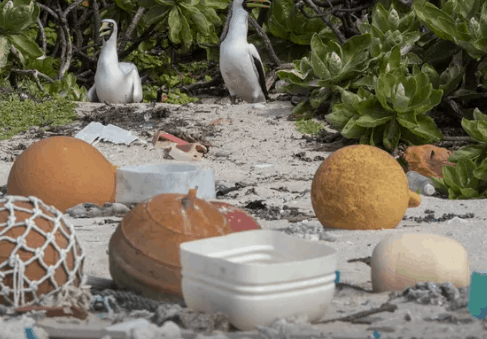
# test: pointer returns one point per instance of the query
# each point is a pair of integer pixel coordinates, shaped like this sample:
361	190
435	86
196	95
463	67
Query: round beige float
402	260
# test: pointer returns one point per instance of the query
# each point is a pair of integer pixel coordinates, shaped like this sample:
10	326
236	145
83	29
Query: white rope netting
15	267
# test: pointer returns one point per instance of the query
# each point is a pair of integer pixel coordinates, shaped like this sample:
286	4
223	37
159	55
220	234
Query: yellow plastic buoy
361	187
63	172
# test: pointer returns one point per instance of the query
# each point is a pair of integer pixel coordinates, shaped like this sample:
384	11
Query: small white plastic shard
95	132
117	135
91	132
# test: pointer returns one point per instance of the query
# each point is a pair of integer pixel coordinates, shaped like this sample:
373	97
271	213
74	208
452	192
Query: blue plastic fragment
477	295
376	334
29	333
337	279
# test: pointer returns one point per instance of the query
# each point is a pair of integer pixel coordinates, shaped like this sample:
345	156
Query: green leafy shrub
462	22
287	22
187	21
468	178
16	16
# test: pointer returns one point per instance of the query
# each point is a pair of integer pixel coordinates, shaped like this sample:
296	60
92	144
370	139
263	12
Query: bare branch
72	6
35	73
96	10
43	35
323	17
267	42
131	28
85	56
63	39
69	54
67	47
87	14
76	30
327	4
227	22
83	74
288	65
48	10
216	81
351	10
145	36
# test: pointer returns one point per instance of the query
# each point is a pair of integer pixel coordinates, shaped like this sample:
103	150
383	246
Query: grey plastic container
139	183
257	276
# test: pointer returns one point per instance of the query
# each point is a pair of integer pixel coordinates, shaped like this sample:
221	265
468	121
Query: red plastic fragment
163	136
239	219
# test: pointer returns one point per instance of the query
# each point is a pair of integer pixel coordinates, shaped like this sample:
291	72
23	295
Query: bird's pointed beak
106	30
258	3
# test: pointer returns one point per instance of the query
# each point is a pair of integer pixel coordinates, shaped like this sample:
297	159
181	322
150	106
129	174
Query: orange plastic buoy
144	250
361	187
63	172
427	160
38	250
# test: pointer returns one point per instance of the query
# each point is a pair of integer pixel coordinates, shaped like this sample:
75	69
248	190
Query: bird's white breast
113	86
238	70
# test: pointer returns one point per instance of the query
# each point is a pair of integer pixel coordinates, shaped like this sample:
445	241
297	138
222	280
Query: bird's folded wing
259	67
131	70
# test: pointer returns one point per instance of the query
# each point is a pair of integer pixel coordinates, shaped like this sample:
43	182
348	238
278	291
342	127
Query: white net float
39	251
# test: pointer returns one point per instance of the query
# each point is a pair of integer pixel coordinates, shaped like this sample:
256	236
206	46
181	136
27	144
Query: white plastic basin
257	276
138	183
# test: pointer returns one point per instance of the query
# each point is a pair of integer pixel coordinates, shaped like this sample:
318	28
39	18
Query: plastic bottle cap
429	189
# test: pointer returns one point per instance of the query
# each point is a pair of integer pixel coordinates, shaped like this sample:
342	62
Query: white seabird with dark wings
240	64
115	82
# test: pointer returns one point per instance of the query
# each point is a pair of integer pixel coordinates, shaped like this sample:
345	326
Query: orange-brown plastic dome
63	171
144	250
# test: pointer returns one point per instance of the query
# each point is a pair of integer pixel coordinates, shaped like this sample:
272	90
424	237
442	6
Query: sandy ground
261	144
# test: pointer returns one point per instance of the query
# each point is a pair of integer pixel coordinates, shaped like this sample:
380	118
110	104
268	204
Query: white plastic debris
139	183
16	328
96	132
124	330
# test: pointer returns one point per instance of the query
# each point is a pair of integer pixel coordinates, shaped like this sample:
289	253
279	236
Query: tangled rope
123	299
21	216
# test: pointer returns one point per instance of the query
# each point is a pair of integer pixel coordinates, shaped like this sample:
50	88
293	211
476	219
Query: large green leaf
435	19
218	4
427	128
392	134
210	14
186	34
317	51
4	51
197	17
126	5
464	169
287	22
18	15
477	115
25	45
156	14
481	171
352	130
472	152
340	116
472	128
175	25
